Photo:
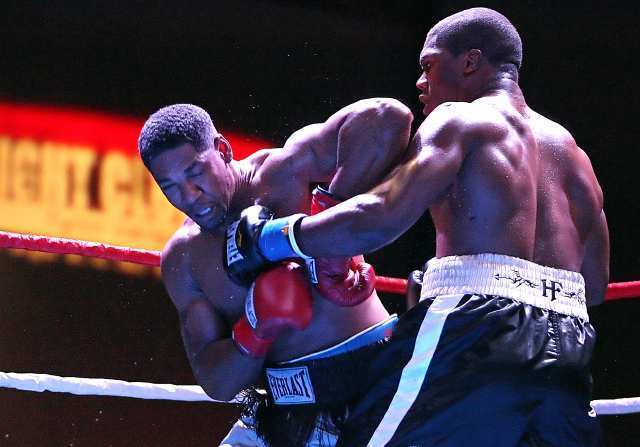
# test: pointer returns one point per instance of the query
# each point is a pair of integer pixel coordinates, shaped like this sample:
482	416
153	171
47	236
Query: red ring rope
615	291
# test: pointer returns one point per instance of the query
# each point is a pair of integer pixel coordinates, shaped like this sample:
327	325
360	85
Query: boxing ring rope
194	393
615	291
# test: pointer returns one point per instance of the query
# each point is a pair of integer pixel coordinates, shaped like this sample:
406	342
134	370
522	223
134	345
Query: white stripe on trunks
415	371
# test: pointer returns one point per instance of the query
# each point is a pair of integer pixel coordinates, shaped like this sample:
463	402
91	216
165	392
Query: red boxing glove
343	281
278	300
321	200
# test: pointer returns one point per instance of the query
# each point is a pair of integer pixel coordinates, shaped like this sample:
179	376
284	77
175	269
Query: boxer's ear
472	61
224	148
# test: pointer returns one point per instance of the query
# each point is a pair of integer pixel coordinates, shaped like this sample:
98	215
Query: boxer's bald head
483	29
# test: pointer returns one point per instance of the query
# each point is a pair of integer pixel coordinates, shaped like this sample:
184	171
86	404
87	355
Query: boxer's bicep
306	155
354	148
371	140
200	325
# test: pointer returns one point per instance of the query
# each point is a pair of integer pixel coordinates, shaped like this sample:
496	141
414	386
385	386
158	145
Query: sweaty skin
351	151
496	176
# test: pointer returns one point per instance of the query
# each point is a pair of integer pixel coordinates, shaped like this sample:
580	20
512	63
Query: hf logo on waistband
550	289
290	386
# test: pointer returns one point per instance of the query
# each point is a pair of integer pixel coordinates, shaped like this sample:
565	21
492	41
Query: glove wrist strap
277	239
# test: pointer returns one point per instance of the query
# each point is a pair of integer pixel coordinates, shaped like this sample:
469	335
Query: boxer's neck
503	86
242	179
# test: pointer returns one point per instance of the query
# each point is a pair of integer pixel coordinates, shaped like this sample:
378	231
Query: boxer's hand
278	300
343	281
243	259
257	240
414	286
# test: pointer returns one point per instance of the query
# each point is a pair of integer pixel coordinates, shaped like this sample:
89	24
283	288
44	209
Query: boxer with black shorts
496	352
233	330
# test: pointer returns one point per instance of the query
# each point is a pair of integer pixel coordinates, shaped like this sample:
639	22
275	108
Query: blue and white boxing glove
257	240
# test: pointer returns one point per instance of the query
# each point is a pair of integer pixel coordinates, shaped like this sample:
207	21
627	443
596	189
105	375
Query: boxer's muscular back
525	189
569	197
491	205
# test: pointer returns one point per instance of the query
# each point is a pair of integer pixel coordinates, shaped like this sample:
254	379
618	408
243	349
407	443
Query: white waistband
549	288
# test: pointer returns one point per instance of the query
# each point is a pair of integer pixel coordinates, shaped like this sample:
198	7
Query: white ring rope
626	405
105	387
194	393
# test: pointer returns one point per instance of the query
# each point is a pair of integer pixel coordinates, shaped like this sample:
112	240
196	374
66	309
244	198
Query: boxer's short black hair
483	29
174	125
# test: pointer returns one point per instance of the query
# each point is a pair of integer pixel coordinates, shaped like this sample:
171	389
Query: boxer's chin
211	223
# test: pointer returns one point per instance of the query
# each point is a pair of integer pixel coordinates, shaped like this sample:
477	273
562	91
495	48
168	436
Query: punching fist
256	240
343	281
278	300
243	260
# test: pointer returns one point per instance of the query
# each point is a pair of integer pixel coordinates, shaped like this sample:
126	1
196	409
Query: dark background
268	68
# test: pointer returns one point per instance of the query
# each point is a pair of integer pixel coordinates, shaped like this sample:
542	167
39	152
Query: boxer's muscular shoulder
570	168
176	251
550	134
560	148
462	123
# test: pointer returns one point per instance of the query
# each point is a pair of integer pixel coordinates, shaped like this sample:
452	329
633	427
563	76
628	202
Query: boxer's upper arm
586	195
595	265
372	138
354	148
200	324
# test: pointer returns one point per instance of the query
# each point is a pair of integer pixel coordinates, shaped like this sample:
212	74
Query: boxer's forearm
359	225
223	371
370	221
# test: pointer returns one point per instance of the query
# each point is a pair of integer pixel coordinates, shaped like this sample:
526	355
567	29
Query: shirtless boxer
193	165
496	353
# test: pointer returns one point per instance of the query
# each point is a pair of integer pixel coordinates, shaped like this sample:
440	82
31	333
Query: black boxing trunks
495	354
308	397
